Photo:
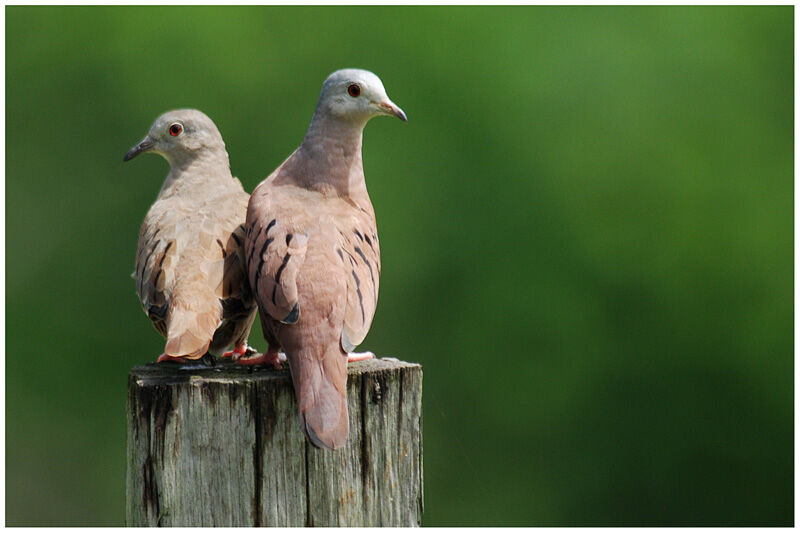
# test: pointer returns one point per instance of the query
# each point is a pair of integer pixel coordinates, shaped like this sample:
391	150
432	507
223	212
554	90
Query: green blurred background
586	227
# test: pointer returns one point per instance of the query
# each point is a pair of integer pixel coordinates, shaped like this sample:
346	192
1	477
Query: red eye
353	90
175	129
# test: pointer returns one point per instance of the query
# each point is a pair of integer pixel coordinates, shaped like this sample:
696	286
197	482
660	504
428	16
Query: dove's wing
154	272
275	253
359	252
191	275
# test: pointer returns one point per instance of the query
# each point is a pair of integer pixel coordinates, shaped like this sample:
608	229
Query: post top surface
155	374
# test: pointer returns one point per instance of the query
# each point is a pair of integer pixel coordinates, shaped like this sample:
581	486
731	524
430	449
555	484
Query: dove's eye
175	129
353	90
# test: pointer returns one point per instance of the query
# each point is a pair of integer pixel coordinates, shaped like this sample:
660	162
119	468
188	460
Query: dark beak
391	109
145	145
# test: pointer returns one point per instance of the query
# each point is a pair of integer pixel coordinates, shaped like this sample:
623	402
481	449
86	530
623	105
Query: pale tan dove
312	252
190	269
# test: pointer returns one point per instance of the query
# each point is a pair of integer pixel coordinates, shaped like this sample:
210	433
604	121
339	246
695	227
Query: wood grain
221	446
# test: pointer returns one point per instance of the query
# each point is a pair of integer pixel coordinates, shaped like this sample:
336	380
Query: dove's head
356	95
181	136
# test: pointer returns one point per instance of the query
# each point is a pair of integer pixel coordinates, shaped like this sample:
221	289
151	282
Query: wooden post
221	446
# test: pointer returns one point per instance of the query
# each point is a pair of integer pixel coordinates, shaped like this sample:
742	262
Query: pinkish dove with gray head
190	270
312	253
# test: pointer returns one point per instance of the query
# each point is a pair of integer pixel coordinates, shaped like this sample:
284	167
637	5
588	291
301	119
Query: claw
237	352
271	356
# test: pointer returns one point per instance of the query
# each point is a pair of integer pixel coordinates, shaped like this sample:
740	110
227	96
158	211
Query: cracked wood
221	446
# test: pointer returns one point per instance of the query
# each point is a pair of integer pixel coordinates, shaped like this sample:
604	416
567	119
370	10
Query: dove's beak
391	109
145	145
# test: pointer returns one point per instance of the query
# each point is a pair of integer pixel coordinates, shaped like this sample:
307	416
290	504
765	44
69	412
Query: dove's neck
200	172
329	158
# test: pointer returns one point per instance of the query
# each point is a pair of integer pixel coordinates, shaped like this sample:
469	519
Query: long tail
320	383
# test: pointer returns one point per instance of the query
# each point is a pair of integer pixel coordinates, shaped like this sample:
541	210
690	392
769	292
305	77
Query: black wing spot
288	238
280	268
371	275
361	253
341	255
269	226
235	238
147	259
261	262
141	253
221	247
164	253
139	263
360	297
152	249
358	234
264	248
352	259
293	315
252	251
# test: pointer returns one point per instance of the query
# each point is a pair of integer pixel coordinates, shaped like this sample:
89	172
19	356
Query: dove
313	253
190	274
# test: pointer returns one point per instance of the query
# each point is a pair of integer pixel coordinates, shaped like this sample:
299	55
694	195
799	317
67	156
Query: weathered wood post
221	446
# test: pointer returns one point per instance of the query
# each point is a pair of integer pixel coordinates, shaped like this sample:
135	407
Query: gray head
180	136
356	95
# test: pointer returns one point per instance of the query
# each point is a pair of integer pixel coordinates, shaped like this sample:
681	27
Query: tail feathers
322	431
321	387
189	332
187	345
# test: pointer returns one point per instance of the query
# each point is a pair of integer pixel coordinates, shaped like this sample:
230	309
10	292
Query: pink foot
271	356
164	357
237	352
353	357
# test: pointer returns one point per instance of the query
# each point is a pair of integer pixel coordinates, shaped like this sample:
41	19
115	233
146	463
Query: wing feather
360	256
275	254
191	275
